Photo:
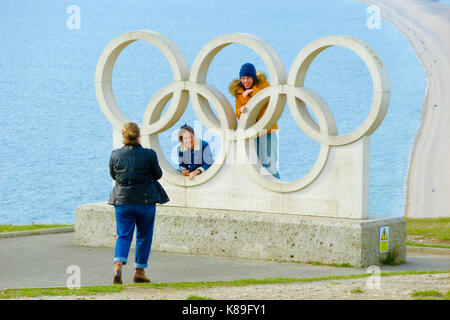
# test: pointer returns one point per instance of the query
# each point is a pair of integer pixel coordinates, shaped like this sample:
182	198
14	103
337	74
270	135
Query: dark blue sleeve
207	156
181	163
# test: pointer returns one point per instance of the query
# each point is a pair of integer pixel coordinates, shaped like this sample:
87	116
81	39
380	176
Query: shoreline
426	26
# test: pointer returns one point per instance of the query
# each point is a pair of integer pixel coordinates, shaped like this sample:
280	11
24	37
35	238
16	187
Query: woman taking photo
136	191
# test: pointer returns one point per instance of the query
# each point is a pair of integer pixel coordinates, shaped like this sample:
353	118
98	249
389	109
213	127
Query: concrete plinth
253	235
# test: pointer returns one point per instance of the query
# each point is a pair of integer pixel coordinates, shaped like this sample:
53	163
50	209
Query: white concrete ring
153	124
327	126
201	96
173	175
200	69
105	66
380	80
248	126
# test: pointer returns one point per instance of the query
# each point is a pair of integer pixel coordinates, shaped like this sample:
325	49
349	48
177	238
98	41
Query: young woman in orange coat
243	89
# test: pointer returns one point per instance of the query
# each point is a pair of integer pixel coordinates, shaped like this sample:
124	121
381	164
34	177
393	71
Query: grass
391	257
430	295
341	265
194	297
413	244
427	293
357	290
85	291
318	263
14	228
35	292
436	228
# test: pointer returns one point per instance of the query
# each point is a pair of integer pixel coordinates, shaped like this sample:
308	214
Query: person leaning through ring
194	155
243	89
136	191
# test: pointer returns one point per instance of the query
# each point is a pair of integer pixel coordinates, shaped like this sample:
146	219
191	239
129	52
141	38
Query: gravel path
397	287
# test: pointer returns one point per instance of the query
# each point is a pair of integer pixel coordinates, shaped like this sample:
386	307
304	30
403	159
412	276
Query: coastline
426	25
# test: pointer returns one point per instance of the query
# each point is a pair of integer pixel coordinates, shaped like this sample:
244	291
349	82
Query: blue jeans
127	216
267	151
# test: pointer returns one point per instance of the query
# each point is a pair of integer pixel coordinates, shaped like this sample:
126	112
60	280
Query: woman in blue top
194	155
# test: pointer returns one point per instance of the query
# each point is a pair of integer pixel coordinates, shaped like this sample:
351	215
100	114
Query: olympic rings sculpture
192	86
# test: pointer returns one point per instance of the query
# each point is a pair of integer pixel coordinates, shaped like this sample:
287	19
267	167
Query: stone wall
254	235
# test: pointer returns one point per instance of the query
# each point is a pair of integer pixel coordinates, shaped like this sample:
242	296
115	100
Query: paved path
42	261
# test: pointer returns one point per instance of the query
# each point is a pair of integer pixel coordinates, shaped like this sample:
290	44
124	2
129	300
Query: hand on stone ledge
193	174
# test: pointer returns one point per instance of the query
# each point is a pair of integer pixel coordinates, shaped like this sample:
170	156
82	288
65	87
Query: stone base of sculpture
253	235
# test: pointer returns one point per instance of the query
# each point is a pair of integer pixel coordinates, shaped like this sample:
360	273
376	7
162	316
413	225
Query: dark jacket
136	171
199	158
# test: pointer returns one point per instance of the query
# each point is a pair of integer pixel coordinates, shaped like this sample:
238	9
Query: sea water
56	142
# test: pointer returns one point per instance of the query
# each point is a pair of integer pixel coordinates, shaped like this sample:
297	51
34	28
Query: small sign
384	239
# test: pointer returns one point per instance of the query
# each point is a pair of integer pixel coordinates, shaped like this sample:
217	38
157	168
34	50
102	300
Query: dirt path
398	287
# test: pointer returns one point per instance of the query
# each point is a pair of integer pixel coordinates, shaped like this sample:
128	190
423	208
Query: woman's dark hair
256	81
131	134
184	128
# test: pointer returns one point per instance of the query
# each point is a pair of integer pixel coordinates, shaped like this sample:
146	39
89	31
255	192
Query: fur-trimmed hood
235	85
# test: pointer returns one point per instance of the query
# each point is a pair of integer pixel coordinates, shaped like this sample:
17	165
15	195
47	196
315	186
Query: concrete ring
153	124
174	176
105	66
203	94
327	126
248	126
380	80
203	61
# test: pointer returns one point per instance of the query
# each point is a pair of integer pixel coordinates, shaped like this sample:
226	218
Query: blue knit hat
247	70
